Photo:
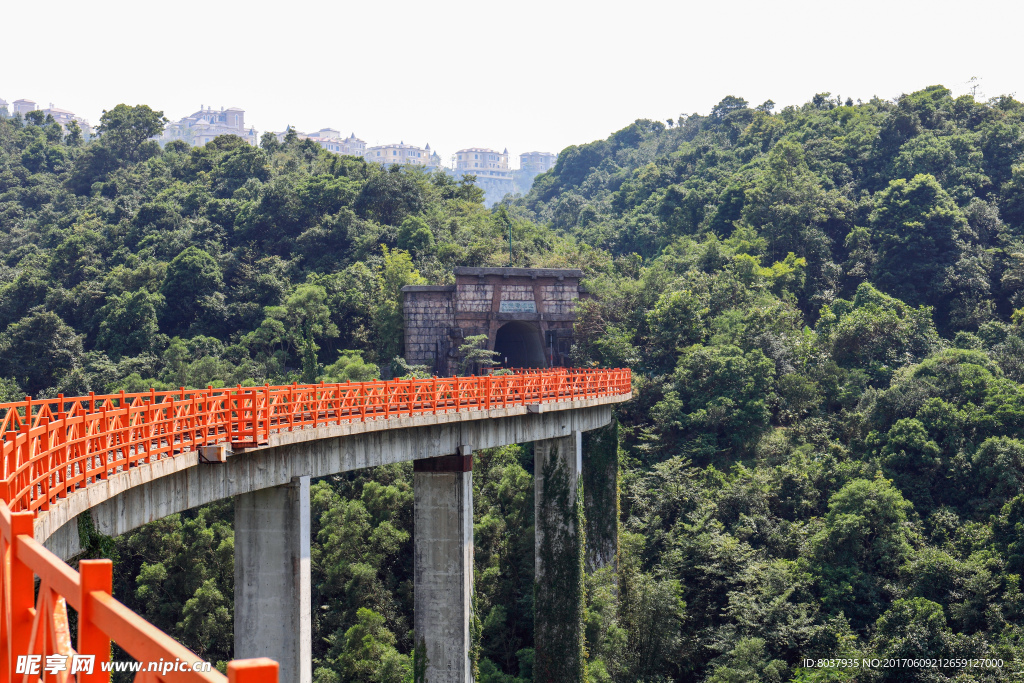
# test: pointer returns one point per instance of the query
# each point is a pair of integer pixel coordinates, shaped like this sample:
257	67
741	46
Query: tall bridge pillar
558	569
443	566
601	495
272	578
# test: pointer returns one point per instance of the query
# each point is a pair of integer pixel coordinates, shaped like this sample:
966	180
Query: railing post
42	460
259	670
102	438
62	457
24	457
291	406
316	404
266	411
22	590
96	576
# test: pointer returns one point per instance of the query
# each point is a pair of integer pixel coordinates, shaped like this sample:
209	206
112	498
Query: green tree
39	351
719	395
190	290
369	652
396	271
876	333
917	230
129	323
474	355
350	367
124	130
414	236
859	550
308	319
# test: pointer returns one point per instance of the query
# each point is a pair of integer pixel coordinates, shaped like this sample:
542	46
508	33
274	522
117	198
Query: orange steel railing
53	447
39	625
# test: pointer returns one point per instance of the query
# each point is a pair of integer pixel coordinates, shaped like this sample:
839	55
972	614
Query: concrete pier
560	526
443	565
272	578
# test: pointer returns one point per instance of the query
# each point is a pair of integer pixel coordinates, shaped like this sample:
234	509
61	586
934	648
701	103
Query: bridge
128	459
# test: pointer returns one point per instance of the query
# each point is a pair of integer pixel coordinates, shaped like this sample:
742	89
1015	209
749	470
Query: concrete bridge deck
150	491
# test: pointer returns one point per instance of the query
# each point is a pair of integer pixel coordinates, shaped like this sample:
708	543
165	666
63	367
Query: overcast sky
526	75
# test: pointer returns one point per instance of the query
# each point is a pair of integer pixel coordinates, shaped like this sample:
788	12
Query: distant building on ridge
23	107
61	116
490	168
537	162
531	165
64	117
206	124
330	139
403	154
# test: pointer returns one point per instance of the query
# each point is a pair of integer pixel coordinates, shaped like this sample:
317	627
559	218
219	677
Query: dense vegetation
823	308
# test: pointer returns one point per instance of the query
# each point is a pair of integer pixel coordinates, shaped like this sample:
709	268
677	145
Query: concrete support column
601	495
443	566
272	578
558	580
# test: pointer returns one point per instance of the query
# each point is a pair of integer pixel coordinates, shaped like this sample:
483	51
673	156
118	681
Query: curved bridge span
128	459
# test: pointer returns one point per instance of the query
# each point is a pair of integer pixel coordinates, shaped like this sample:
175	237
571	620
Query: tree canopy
823	307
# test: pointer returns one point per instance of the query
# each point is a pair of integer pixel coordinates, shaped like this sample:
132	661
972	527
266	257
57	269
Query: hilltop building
490	168
204	125
23	107
531	164
61	116
401	154
4	112
330	139
64	117
353	146
480	161
537	162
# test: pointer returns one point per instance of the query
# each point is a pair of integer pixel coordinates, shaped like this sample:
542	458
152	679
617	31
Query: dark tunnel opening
519	345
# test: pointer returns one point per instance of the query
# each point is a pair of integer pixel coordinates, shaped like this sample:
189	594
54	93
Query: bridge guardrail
39	626
53	447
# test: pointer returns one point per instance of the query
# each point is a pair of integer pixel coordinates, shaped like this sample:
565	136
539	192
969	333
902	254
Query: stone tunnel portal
519	345
526	313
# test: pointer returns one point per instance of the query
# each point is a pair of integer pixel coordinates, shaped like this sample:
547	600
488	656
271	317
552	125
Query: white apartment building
482	162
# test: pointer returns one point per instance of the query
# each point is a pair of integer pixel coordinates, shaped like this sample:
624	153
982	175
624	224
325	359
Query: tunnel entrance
519	345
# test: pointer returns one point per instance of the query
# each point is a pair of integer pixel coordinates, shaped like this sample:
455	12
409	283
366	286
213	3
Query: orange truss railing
53	447
35	638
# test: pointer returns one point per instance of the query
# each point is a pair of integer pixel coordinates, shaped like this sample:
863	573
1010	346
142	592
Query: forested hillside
823	308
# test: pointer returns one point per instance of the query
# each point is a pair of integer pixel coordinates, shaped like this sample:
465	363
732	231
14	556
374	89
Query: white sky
526	75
